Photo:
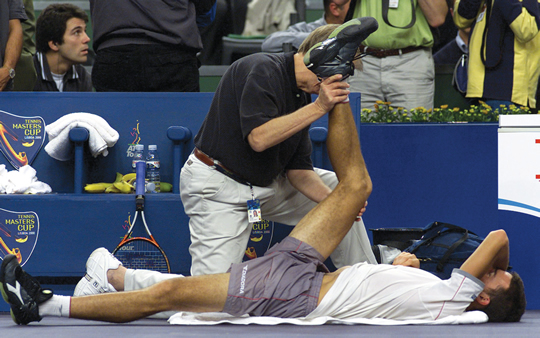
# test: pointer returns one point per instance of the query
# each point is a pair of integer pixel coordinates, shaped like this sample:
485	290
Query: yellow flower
444	106
456	109
379	102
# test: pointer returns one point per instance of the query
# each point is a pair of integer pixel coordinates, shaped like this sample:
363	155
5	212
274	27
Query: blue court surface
63	327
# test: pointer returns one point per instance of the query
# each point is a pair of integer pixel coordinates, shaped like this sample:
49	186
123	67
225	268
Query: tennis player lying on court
291	279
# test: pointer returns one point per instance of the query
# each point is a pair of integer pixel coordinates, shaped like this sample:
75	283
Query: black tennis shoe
21	291
336	54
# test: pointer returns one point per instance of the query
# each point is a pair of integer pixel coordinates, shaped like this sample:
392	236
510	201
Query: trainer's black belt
382	53
218	166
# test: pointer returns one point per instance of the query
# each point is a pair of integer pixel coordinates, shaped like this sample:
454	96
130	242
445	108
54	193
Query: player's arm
492	253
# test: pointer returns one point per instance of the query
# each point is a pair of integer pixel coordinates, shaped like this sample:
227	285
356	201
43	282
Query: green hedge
385	113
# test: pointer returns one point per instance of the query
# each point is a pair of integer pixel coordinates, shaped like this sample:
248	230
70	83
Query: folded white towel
214	318
101	135
22	181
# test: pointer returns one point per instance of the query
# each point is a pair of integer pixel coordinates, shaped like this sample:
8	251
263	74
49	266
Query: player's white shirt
397	292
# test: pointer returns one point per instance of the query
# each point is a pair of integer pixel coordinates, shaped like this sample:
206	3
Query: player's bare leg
325	226
197	294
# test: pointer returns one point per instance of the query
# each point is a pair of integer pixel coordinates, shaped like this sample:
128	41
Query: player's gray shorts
285	282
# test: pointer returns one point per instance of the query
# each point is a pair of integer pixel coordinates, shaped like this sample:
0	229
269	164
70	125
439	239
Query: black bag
444	247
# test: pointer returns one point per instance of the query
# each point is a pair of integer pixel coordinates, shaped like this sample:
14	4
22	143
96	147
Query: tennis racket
141	252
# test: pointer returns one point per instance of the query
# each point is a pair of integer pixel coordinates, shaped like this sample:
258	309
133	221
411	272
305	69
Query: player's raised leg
325	226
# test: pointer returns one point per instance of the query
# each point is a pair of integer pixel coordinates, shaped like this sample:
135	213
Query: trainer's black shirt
254	90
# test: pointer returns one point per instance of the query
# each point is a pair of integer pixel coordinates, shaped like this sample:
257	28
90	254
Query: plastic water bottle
138	156
152	170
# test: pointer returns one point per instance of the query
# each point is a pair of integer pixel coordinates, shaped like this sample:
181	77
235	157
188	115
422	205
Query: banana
129	177
123	187
165	187
118	177
122	184
112	189
97	187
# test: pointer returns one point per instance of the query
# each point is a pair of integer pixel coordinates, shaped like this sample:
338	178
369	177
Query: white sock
57	306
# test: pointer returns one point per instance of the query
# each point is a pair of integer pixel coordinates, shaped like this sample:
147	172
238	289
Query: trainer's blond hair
318	35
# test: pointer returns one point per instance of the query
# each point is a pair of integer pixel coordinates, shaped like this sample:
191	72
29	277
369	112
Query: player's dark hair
507	305
51	24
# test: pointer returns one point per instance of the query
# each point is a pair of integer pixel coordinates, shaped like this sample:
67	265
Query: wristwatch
11	73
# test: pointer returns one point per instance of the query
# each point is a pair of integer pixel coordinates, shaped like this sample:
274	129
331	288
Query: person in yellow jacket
504	50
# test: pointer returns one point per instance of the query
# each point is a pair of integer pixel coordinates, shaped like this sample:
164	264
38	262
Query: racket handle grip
140	170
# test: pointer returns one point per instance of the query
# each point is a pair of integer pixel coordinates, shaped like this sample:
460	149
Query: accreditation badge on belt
254	210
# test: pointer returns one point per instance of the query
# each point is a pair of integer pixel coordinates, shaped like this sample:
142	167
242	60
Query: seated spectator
334	13
62	46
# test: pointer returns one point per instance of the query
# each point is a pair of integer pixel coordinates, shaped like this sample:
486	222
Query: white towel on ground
101	135
214	318
22	181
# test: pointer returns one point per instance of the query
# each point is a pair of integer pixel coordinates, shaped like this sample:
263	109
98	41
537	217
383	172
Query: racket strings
140	253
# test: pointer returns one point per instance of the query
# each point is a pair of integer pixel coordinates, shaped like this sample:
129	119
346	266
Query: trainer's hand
407	259
331	92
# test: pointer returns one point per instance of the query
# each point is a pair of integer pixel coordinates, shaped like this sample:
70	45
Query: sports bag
444	247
